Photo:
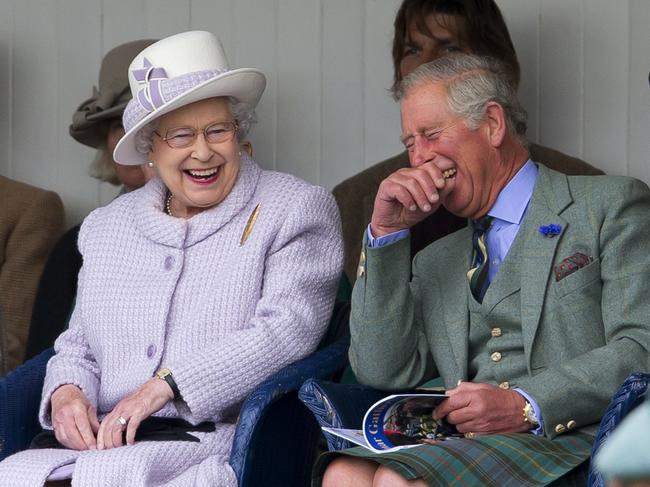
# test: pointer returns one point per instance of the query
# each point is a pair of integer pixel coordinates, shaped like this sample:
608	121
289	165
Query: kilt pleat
518	459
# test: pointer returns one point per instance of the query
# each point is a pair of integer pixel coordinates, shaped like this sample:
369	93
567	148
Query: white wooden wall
326	113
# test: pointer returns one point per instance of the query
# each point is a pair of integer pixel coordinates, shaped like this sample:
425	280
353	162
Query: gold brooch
249	225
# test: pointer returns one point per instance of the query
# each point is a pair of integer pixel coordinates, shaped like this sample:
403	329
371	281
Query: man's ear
247	147
495	118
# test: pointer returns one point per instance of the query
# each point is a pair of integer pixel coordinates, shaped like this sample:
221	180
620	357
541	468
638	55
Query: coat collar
155	224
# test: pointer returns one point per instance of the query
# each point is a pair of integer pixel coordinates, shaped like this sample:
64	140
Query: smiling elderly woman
193	288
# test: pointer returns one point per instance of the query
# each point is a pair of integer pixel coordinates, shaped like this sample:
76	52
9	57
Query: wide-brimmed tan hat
175	72
110	99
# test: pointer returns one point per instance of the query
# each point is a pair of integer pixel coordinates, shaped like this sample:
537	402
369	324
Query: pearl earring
150	164
239	153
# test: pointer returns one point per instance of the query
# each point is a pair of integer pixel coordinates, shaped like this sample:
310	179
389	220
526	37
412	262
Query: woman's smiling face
202	174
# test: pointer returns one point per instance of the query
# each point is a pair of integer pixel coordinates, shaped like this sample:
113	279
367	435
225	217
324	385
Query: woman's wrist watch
166	375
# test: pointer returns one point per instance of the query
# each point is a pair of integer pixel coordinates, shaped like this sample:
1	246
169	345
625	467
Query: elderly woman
193	288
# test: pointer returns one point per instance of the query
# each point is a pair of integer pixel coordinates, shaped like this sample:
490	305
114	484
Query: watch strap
166	375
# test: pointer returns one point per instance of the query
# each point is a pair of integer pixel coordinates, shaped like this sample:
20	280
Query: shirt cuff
386	239
538	412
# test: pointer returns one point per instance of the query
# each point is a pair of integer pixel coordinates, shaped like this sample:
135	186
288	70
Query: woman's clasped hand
75	420
133	409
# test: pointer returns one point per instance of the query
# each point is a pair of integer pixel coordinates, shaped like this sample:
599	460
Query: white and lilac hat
175	72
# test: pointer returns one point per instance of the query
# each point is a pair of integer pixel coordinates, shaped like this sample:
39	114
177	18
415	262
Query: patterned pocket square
571	264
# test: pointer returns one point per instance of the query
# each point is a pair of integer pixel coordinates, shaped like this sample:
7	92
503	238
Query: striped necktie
478	274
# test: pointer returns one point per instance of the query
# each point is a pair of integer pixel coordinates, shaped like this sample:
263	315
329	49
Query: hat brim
88	133
112	112
244	84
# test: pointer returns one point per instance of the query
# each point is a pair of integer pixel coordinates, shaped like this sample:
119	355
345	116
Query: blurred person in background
31	220
624	458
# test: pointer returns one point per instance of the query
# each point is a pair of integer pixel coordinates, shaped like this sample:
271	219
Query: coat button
571	424
496	332
495	356
505	385
151	350
560	428
169	262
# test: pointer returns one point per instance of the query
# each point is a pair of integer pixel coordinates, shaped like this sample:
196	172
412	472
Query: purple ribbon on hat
150	97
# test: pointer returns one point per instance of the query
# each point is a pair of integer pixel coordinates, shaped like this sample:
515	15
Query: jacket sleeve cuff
538	411
384	240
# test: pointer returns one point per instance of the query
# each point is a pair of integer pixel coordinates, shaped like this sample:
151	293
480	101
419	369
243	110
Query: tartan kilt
518	459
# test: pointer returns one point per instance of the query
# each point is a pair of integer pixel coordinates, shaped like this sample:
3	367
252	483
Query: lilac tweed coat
157	291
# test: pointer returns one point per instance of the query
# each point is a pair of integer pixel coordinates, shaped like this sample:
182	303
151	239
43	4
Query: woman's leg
350	472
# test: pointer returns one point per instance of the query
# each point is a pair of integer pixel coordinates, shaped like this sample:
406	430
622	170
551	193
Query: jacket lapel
455	300
550	198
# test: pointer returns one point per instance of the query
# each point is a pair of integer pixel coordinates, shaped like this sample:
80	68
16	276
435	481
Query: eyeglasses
430	135
215	133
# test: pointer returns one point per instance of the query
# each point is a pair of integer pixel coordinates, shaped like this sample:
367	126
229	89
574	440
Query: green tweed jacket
582	334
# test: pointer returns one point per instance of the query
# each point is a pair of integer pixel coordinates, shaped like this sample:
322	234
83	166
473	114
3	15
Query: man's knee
349	471
386	477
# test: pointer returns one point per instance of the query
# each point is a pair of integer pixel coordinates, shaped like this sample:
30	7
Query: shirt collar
513	199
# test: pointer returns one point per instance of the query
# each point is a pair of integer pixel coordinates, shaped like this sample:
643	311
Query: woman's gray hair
472	82
102	167
243	113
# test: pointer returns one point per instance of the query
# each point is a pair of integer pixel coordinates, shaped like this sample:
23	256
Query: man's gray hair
472	82
243	113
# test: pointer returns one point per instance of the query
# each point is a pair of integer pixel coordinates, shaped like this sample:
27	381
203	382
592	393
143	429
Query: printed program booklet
400	421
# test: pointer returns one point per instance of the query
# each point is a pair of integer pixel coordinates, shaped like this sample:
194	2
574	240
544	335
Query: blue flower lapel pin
551	230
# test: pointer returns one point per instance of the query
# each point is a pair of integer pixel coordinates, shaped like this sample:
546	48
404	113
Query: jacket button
571	424
169	262
151	349
496	332
560	428
495	356
505	385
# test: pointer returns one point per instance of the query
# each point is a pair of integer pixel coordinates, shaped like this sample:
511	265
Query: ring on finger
469	435
122	421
